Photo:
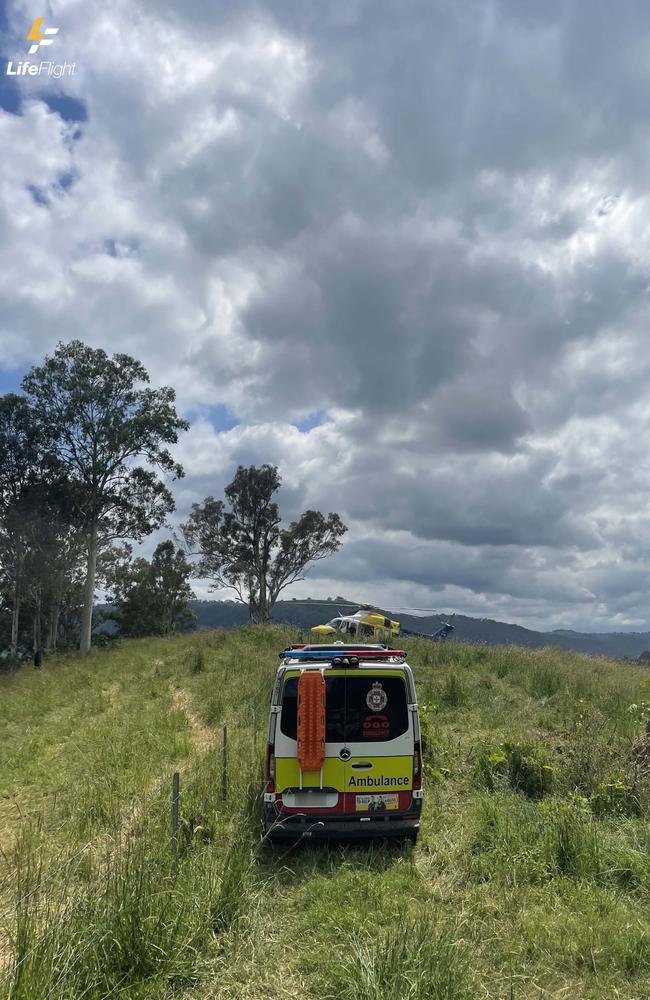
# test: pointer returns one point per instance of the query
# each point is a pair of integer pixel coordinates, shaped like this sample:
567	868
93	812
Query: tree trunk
253	600
56	615
37	623
89	592
15	611
15	621
55	610
266	605
53	625
263	609
271	601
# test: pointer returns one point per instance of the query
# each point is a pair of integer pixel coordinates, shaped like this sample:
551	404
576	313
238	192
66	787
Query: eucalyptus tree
21	468
243	547
99	419
55	563
151	598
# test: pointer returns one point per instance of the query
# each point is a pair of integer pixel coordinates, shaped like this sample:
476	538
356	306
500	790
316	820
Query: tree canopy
151	598
41	545
95	419
242	546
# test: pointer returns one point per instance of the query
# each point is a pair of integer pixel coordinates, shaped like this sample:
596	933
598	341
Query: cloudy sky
402	250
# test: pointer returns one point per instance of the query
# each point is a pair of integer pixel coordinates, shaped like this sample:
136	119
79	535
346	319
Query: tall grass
133	917
415	959
532	876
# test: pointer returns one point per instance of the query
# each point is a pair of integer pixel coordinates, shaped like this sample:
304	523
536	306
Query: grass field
531	878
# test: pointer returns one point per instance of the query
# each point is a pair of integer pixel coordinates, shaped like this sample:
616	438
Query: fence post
175	798
224	782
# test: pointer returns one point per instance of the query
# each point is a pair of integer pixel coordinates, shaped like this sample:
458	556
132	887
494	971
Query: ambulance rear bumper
325	826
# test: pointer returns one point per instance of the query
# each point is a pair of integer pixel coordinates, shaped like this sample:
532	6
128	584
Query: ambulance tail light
417	766
270	767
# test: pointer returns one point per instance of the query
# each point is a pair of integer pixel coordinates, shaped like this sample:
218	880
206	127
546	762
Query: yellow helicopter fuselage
362	625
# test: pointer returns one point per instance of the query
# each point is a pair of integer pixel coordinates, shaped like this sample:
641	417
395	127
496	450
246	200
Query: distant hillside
228	614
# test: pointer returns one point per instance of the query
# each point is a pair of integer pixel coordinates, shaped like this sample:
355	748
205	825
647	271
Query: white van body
370	782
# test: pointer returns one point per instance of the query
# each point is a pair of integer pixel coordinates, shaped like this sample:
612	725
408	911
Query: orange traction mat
311	720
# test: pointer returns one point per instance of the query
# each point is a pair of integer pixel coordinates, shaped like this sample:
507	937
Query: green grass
531	878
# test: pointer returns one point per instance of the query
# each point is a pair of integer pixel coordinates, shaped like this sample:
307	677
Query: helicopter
365	623
369	623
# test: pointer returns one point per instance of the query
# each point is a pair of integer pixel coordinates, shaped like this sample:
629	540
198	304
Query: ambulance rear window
359	708
376	708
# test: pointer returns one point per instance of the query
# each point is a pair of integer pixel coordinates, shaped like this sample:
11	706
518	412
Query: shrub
545	681
454	693
197	662
503	664
614	798
523	767
528	770
591	755
490	769
570	841
212	708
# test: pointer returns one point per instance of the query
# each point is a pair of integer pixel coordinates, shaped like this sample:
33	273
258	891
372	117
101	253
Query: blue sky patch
312	420
219	416
38	194
10	379
71	109
120	248
9	92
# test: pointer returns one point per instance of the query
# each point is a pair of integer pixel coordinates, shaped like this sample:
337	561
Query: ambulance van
343	758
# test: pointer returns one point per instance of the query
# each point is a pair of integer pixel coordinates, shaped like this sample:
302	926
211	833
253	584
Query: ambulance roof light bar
342	658
337	647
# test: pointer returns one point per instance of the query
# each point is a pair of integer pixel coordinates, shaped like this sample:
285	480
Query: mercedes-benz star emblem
345	754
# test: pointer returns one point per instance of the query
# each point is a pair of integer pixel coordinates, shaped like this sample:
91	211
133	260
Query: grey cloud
441	565
428	222
478	412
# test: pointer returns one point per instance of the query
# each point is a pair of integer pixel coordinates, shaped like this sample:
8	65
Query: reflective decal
388	774
376	727
376	699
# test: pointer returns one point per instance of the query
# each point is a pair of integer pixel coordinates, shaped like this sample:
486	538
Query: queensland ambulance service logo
40	36
376	699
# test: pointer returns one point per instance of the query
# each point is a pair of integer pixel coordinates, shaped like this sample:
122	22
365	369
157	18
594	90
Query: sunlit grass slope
531	877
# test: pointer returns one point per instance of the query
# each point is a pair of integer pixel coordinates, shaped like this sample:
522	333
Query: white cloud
428	228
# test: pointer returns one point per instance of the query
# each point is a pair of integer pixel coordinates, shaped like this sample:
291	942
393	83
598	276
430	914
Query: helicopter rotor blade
359	605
